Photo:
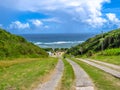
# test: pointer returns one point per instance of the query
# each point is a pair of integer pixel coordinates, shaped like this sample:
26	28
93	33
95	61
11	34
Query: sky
59	16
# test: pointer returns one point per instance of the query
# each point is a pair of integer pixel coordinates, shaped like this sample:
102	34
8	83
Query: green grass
8	63
68	78
108	59
110	56
24	75
113	51
102	80
13	46
109	39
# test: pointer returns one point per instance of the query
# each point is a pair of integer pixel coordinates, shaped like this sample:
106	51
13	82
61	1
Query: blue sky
59	16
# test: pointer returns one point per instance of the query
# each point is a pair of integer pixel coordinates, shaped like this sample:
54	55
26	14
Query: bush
111	52
89	53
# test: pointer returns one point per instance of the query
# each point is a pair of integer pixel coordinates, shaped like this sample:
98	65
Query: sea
57	40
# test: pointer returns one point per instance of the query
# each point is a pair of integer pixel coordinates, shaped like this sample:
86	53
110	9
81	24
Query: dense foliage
16	46
99	42
110	52
56	49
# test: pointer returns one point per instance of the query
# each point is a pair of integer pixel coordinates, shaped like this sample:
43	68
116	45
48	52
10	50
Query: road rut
104	68
83	82
116	67
52	84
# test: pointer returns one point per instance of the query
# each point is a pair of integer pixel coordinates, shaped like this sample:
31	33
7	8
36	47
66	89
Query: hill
100	42
16	46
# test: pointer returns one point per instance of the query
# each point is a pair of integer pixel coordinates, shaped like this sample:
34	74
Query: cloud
96	22
66	14
36	22
55	20
1	25
19	25
90	12
85	11
30	24
113	19
46	27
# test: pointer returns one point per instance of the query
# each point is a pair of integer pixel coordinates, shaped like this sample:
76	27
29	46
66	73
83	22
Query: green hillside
99	42
16	46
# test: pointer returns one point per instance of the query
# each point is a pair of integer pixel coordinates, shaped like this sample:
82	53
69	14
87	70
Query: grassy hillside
16	46
106	41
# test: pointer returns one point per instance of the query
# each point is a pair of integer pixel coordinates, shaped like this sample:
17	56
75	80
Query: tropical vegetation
106	41
16	46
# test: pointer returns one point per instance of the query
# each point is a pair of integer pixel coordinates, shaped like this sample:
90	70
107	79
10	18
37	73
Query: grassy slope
23	75
68	78
102	80
92	48
108	59
108	55
110	40
16	46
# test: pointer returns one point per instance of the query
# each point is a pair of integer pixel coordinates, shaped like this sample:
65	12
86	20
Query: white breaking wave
59	42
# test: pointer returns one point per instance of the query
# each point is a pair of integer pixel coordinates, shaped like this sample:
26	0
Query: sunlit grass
68	78
108	59
22	75
7	63
113	51
108	55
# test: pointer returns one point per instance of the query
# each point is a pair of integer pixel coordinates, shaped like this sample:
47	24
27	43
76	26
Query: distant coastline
57	40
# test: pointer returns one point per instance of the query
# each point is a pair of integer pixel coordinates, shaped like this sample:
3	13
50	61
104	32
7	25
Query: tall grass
111	52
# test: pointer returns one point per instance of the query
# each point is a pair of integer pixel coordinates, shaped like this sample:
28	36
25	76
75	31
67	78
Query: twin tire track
83	81
112	66
105	67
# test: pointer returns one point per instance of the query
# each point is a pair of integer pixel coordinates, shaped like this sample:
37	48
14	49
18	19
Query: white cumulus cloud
113	19
19	25
36	22
86	11
56	20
